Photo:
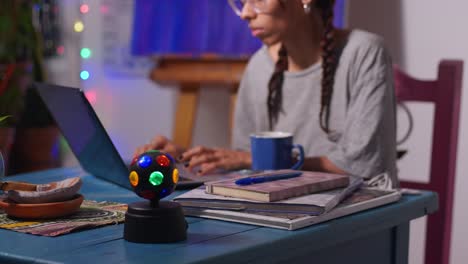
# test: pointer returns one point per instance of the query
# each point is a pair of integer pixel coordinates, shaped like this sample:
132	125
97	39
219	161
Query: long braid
328	62
275	87
274	101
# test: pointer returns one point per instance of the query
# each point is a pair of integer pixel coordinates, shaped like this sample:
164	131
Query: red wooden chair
445	93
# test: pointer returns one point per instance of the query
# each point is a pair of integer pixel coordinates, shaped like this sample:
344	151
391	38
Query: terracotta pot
33	149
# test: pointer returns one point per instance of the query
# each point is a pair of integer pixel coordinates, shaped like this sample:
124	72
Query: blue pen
254	180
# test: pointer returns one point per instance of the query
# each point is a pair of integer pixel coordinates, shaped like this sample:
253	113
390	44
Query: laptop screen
84	132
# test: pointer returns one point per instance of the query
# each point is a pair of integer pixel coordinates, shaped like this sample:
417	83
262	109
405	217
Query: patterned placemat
92	214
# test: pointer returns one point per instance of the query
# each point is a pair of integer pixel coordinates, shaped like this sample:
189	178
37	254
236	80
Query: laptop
88	138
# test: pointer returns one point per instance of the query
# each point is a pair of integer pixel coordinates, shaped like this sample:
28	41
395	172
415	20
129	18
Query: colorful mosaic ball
153	175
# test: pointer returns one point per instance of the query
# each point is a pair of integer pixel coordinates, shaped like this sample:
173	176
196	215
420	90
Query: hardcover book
308	182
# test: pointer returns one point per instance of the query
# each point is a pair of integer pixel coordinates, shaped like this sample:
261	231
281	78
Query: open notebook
88	138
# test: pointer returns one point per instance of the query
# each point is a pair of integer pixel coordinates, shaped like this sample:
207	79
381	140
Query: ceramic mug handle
300	162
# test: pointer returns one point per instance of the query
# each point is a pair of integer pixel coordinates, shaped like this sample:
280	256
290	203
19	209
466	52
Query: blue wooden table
375	236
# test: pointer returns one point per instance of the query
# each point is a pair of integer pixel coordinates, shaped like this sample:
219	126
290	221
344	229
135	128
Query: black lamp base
163	224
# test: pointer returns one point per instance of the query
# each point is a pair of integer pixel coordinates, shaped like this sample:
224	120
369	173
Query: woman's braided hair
274	101
275	91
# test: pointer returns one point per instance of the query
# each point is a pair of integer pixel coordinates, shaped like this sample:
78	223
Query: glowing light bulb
78	26
104	9
134	161
156	178
163	161
60	50
91	96
175	176
84	8
144	162
133	177
84	75
85	53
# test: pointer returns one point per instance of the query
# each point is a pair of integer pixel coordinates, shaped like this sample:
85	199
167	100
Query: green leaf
4	117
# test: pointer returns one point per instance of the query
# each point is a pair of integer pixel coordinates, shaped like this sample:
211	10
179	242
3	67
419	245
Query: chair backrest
445	93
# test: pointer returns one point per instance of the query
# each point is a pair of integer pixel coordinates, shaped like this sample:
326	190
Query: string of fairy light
45	19
79	27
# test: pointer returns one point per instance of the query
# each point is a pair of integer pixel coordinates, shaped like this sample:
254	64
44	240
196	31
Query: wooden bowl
42	210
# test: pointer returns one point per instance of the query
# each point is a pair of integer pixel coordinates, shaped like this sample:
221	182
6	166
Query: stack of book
283	199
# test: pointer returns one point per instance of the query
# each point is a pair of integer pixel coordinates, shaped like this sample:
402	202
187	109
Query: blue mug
273	151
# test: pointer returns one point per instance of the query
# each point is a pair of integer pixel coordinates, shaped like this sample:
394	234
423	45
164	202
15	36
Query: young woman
332	89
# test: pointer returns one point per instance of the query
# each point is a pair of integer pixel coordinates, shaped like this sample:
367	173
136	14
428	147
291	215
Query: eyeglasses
259	6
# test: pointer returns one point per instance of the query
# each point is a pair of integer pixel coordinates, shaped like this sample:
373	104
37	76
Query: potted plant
16	49
20	64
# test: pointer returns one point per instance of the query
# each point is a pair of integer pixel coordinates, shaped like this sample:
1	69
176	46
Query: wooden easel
191	74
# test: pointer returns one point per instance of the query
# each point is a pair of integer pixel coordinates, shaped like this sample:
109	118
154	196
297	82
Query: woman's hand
210	159
160	143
